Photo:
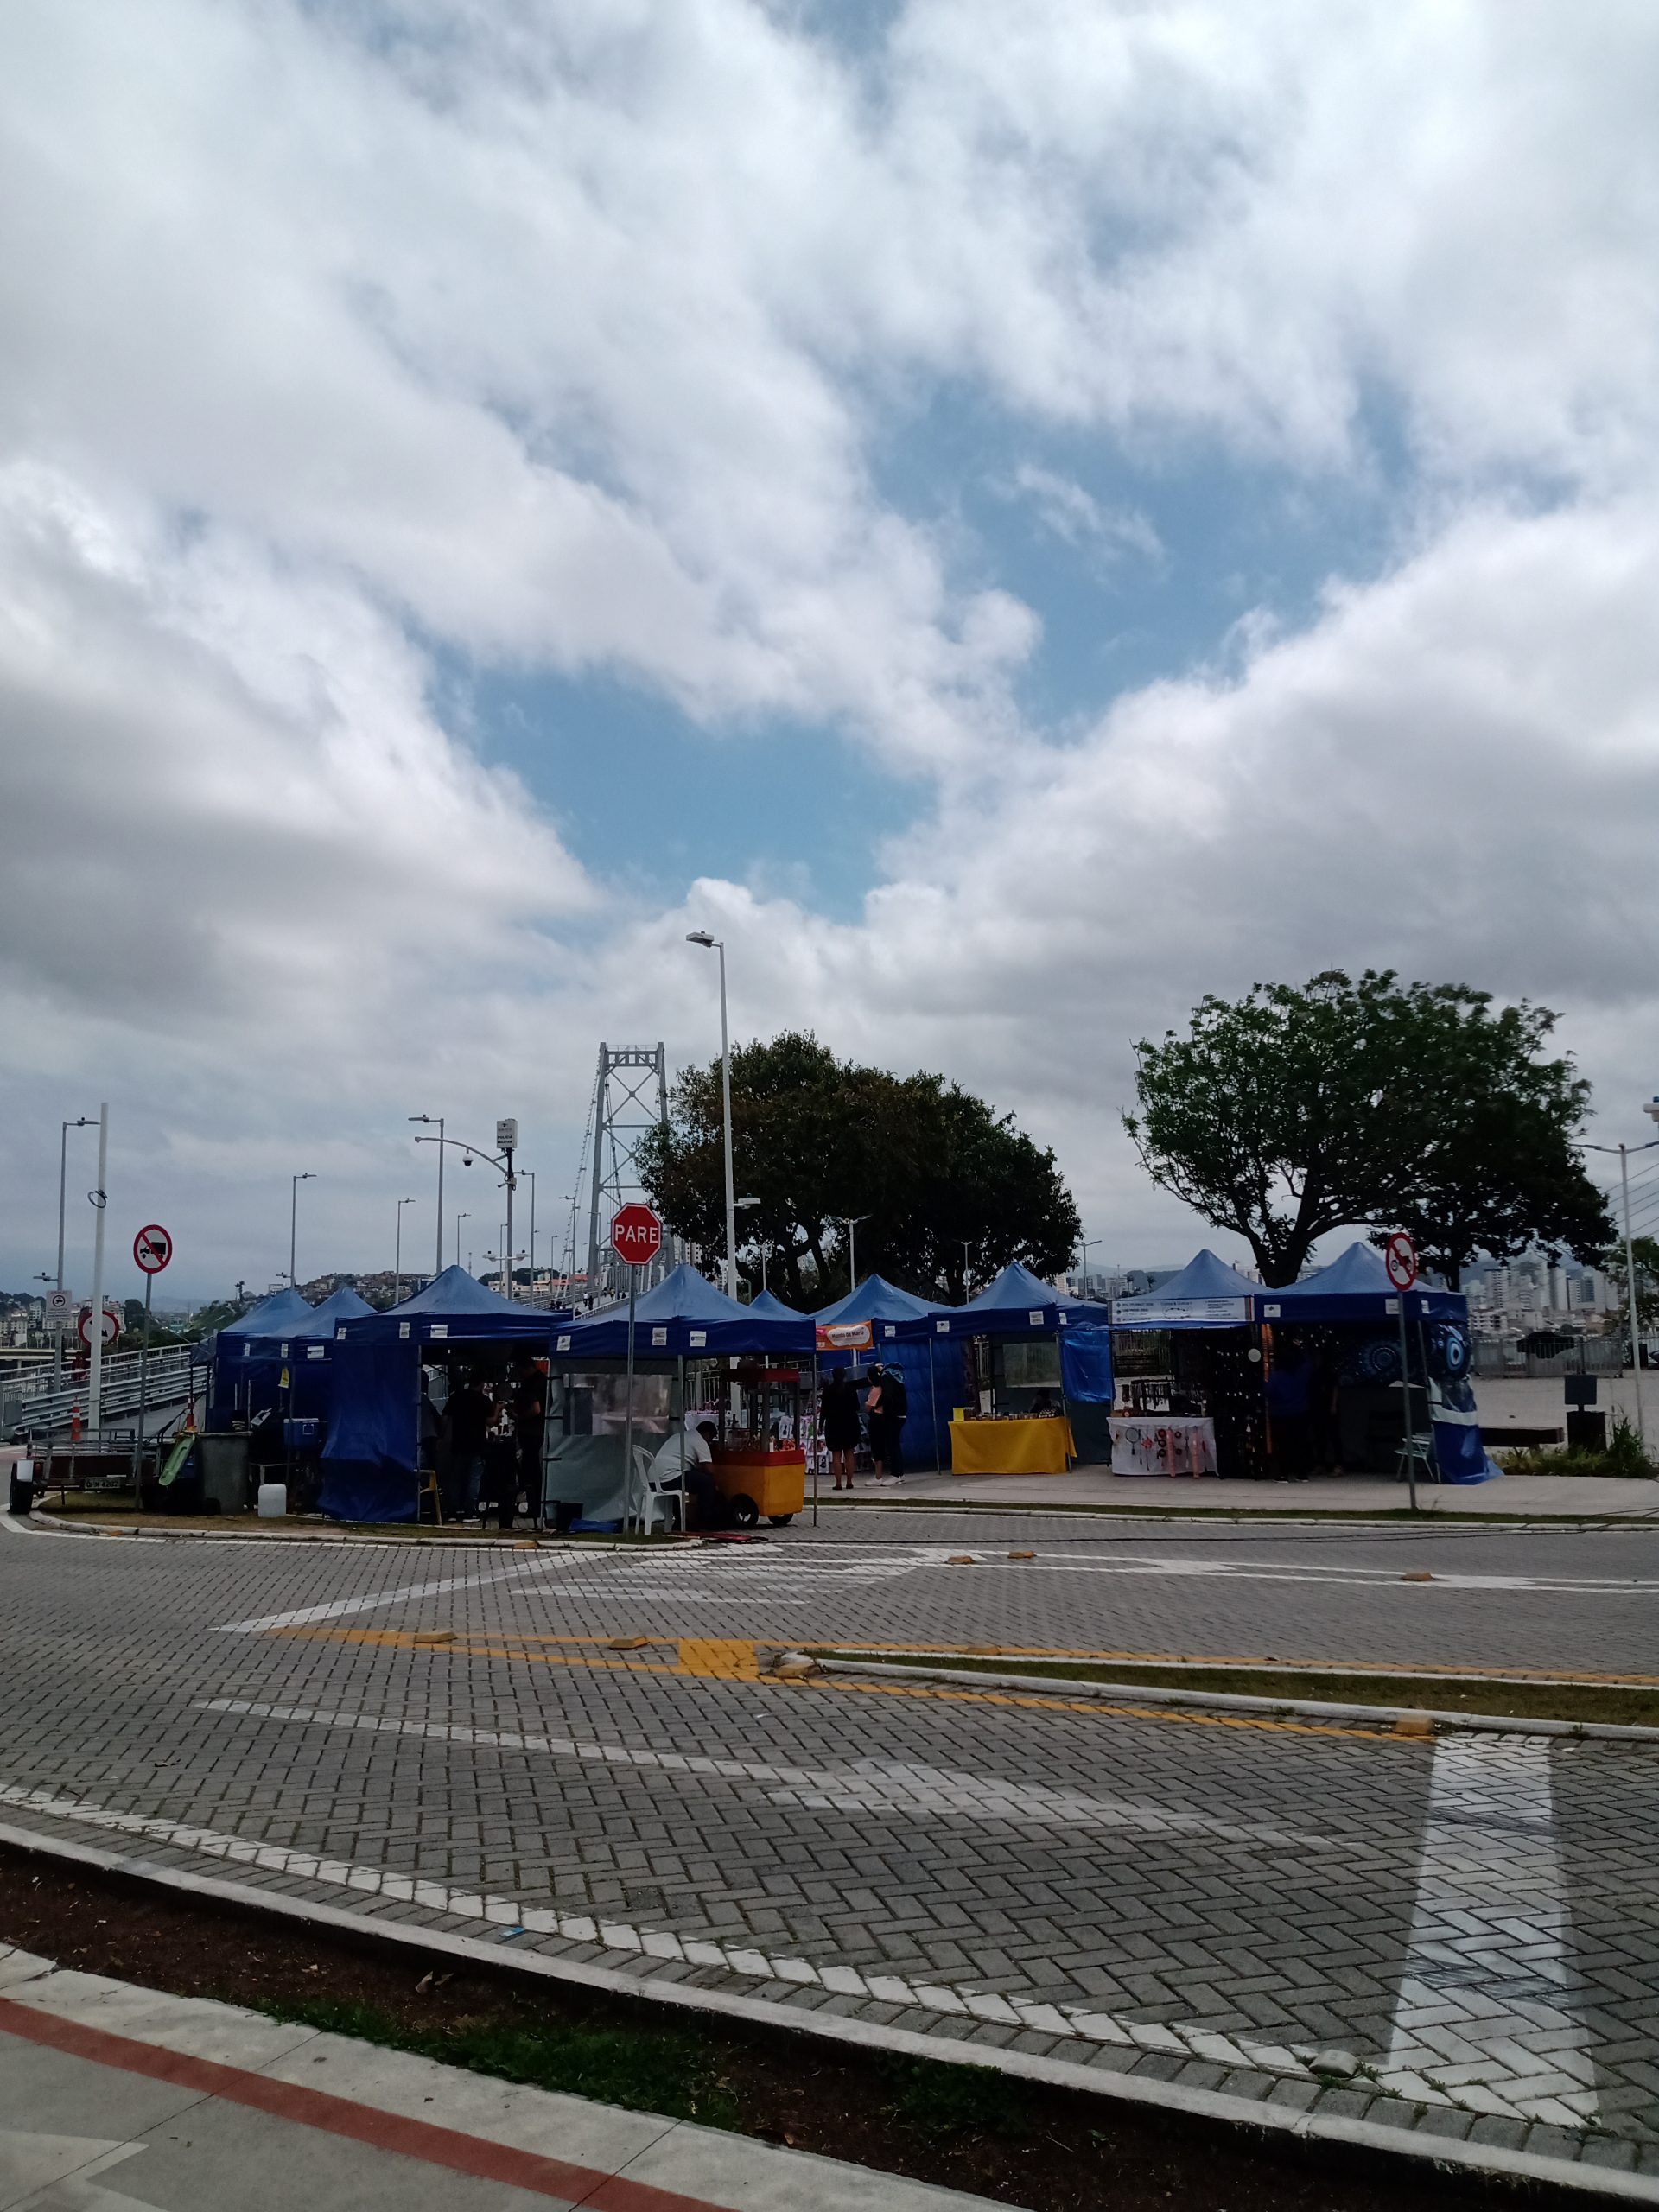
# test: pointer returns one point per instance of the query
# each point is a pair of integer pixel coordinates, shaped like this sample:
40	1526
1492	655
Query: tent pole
685	1496
933	1405
817	1439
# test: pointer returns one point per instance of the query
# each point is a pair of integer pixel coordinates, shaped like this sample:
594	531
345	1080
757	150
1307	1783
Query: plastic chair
661	1509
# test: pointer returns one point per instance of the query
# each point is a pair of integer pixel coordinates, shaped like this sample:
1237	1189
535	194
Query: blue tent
1016	1303
1206	1295
901	1337
768	1308
370	1458
683	1316
894	1314
1356	1288
244	1363
307	1351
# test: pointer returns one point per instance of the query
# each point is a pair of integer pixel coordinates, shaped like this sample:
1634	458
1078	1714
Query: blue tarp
370	1458
1086	1366
685	1317
1206	1295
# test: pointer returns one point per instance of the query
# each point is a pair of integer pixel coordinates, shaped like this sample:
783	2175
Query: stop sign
636	1234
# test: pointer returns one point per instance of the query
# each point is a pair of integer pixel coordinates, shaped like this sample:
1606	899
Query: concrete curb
1226	1701
1442	2151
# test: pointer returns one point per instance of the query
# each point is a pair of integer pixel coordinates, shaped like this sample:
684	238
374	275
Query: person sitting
682	1465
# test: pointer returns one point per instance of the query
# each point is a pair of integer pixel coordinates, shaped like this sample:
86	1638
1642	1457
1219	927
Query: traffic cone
74	1424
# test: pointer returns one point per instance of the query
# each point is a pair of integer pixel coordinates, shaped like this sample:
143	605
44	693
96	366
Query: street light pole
398	1263
460	1217
1630	1290
101	1200
718	944
295	1181
532	1236
85	1122
851	1220
427	1119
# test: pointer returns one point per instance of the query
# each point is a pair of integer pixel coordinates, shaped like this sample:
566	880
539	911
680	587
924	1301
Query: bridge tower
630	1098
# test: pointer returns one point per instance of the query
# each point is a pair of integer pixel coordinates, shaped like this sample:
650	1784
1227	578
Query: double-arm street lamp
502	1163
717	944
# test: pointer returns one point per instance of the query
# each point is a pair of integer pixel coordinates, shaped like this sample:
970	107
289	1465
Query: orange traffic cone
74	1424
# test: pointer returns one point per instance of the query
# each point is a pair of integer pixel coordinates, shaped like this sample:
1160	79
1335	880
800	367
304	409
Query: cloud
336	343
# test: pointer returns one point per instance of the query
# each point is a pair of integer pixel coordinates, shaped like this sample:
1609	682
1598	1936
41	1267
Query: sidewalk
201	2104
1509	1498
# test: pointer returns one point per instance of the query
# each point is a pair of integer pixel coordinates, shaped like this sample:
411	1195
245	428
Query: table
1041	1445
1163	1443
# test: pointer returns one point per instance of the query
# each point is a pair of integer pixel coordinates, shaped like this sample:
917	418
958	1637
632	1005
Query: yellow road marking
732	1659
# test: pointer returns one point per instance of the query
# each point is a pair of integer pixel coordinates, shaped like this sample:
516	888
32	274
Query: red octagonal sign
636	1234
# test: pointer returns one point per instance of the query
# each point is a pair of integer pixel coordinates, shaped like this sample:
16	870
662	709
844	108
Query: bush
1624	1456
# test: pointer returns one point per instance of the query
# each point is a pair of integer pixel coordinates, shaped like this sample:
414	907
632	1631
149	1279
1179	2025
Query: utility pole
438	1259
1630	1292
85	1122
308	1176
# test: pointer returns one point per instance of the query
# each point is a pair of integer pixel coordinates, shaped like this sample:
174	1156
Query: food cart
759	1457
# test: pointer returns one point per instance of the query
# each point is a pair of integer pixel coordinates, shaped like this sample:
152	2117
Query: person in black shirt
895	1405
468	1416
838	1402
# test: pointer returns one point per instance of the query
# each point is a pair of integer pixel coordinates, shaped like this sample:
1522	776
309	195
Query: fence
36	1406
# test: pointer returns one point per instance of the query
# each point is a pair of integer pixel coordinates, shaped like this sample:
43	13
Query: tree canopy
816	1139
1304	1109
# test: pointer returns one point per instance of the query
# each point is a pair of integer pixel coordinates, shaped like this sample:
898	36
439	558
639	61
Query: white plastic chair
662	1508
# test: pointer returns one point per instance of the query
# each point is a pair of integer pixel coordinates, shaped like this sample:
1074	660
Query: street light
852	1221
1086	1246
428	1119
397	1264
717	944
86	1122
295	1181
460	1217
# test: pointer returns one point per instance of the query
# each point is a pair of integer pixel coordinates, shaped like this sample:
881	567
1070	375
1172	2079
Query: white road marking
367	1602
865	1785
23	1524
1188	2039
1483	2011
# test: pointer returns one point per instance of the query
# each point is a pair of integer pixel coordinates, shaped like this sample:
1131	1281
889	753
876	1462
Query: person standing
838	1404
468	1415
530	1423
876	1418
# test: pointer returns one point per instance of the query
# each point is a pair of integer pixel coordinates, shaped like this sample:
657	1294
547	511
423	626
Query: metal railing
37	1406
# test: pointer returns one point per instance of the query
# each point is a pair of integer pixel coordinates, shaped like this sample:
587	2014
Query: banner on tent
845	1336
1159	1312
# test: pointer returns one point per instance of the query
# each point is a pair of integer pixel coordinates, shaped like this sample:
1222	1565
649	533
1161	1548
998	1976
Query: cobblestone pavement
575	1751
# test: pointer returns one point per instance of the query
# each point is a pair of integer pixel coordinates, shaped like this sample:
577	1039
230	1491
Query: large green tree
815	1139
1304	1109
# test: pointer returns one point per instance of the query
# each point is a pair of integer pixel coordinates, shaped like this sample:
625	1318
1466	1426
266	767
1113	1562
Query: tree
816	1140
1302	1109
1644	1251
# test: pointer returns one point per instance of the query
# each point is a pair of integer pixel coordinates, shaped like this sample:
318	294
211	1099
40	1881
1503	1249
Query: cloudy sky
1013	517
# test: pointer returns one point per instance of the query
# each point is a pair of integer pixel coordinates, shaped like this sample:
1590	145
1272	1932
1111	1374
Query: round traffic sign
152	1247
1400	1258
111	1326
636	1233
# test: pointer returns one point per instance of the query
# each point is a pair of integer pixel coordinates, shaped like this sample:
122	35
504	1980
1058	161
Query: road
448	1735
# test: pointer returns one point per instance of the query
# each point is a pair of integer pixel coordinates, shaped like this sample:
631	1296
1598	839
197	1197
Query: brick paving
444	1734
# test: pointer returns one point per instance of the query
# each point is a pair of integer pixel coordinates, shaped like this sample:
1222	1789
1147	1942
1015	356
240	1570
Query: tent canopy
874	1298
1017	1303
768	1308
1356	1288
341	1305
272	1316
453	1305
1206	1295
685	1315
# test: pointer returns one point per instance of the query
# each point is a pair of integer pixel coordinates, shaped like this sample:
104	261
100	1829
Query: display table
1039	1447
1163	1443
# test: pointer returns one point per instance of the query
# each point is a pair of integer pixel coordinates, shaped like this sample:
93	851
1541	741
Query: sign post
152	1247
636	1238
1400	1258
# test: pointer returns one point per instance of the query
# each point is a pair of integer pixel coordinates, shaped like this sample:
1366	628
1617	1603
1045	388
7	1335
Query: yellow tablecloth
1012	1447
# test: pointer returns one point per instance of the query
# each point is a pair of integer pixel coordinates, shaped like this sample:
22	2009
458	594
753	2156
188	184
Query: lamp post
85	1121
100	1199
744	1205
851	1220
398	1263
717	944
967	1246
460	1217
532	1236
1086	1246
428	1119
295	1181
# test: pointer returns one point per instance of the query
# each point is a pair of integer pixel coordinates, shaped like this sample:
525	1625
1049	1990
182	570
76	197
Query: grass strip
1609	1702
663	2071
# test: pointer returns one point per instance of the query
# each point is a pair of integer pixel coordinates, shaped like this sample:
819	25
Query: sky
1013	518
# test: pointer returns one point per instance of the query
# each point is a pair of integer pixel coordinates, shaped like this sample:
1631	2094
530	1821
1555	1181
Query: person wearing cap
682	1464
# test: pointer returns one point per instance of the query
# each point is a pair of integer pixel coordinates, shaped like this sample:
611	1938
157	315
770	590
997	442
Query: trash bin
224	1463
20	1498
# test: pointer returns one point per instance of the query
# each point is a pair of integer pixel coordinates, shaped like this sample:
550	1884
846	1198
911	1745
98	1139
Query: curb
1441	2150
1226	1701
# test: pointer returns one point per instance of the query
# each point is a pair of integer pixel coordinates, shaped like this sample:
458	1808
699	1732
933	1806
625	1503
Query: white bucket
273	1501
